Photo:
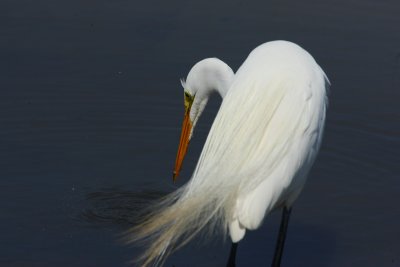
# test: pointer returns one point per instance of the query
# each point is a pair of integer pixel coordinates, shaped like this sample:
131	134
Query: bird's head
207	76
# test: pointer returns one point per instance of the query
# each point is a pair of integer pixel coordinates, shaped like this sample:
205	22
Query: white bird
257	155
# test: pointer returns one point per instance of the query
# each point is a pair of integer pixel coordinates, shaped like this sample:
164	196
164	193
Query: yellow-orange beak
187	126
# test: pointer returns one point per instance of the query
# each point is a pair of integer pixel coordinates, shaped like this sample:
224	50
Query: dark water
90	113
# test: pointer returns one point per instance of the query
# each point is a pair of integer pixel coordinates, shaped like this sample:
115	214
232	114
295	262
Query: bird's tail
173	222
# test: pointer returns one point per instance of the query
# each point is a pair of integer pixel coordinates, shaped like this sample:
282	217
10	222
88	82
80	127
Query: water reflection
308	244
113	207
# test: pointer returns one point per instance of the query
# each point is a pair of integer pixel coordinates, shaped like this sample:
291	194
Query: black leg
232	256
281	238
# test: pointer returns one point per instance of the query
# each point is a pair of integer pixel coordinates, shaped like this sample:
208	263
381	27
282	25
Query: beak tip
174	176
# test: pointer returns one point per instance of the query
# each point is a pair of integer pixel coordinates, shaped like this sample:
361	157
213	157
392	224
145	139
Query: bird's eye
188	97
188	100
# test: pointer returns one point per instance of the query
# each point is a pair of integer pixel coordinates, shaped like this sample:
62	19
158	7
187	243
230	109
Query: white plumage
258	153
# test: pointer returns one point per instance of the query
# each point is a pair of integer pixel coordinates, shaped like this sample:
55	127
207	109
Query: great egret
257	155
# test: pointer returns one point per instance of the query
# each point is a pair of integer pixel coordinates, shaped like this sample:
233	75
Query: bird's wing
266	121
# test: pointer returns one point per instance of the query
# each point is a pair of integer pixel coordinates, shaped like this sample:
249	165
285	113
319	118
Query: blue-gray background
90	114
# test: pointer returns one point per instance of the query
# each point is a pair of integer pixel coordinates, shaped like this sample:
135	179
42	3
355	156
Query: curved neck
205	77
209	75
